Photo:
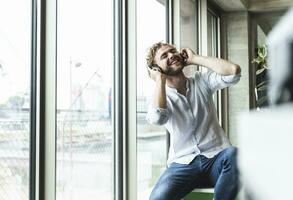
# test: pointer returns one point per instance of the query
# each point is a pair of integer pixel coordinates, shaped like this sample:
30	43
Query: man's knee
230	159
231	155
155	195
162	189
161	192
231	151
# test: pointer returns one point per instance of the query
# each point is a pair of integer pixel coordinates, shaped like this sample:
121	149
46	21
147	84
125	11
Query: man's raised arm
158	113
159	99
218	65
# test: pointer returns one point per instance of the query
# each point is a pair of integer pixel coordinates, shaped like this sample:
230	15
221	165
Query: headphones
184	56
155	66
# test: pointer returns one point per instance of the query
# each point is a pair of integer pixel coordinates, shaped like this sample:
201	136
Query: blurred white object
265	153
266	137
280	60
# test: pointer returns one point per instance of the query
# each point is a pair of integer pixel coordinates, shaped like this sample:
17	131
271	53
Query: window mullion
33	104
47	110
119	41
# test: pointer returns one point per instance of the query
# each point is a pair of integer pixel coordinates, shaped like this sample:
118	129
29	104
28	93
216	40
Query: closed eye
173	51
164	55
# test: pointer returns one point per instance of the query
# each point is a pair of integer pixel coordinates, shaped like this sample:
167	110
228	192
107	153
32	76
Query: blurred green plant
261	76
16	102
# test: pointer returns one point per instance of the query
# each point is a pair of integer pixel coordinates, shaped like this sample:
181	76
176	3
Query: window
15	70
151	140
188	30
213	51
212	21
84	99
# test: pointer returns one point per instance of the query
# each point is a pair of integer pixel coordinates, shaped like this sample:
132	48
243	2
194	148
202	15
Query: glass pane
151	140
15	69
188	29
212	35
84	97
212	31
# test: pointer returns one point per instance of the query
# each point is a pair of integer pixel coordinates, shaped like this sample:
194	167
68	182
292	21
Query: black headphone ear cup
158	68
184	56
155	66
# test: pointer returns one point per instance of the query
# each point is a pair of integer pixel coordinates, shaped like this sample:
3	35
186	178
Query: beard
173	72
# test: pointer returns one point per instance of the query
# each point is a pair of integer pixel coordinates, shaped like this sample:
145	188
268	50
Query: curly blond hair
150	58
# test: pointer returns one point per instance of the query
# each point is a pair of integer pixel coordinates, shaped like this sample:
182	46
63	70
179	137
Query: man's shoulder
198	77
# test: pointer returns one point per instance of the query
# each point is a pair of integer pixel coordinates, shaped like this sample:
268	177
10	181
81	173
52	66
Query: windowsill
204	190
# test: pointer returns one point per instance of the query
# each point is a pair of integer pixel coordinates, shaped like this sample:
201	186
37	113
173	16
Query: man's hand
189	56
155	74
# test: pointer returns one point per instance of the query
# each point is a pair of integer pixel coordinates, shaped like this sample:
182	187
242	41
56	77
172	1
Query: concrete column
237	50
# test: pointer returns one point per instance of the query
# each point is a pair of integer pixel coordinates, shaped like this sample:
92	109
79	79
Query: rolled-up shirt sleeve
216	81
158	116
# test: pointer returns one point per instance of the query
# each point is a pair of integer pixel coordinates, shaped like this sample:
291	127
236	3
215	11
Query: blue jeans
219	172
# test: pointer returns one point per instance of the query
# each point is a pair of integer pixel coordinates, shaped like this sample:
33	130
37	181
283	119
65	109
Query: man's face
169	60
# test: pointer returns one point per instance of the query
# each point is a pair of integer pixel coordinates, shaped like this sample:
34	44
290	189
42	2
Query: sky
84	37
14	47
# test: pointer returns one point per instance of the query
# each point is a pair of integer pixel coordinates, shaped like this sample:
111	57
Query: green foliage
261	87
260	60
16	101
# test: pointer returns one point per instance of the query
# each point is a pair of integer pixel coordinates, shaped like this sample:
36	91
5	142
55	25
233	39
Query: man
200	154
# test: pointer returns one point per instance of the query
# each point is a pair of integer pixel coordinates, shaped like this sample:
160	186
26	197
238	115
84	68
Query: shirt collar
175	90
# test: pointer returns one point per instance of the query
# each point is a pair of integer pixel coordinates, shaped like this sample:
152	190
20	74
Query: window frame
218	95
44	46
43	185
33	102
47	101
222	96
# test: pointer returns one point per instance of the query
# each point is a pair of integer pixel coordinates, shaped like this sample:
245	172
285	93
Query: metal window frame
125	151
119	100
222	96
169	39
202	27
130	96
118	89
46	119
218	94
169	21
44	101
45	104
33	102
125	130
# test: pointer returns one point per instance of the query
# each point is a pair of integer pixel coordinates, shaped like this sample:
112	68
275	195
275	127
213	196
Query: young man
200	154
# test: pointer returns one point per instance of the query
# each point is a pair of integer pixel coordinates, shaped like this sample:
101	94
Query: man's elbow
158	123
157	120
235	69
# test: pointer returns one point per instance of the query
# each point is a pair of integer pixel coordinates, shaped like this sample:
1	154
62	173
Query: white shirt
192	120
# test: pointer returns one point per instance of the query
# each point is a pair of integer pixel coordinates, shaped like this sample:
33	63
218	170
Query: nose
172	56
